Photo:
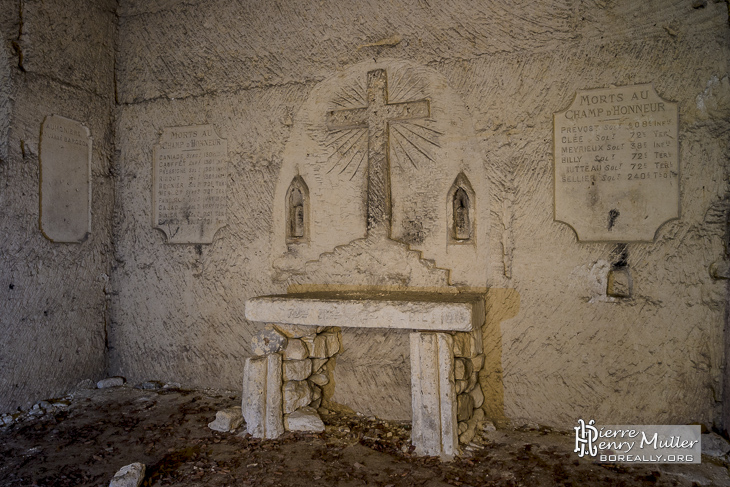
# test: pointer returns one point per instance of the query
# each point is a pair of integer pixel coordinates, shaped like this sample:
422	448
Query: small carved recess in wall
461	209
297	214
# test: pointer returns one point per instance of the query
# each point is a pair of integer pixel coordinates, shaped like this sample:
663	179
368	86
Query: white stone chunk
268	341
297	369
304	419
227	420
487	426
296	350
130	475
110	382
296	394
477	395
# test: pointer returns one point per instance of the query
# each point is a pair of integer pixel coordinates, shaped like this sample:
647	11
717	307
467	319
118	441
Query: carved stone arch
297	211
461	212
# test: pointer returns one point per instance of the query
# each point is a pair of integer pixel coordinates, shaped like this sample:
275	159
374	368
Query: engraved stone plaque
65	168
190	173
617	164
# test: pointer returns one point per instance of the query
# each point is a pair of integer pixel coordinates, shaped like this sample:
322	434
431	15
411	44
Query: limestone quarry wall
558	348
57	57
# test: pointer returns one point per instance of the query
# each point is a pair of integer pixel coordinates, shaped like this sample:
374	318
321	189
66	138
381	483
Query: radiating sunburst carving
410	133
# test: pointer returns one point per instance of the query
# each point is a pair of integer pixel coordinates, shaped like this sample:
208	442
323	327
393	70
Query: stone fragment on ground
130	475
227	420
304	419
110	382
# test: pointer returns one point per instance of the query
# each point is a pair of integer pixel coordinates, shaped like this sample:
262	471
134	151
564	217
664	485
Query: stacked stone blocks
282	385
284	394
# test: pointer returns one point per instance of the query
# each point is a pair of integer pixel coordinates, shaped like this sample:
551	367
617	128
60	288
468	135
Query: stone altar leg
434	429
262	404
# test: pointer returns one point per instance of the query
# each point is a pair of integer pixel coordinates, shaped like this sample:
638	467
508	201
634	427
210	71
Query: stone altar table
446	355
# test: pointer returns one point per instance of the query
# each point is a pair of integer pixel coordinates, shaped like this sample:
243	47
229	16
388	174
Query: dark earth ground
83	439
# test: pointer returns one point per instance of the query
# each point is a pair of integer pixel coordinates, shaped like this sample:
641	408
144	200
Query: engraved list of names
617	164
190	180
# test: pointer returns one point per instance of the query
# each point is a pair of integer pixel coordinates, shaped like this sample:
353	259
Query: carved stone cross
376	117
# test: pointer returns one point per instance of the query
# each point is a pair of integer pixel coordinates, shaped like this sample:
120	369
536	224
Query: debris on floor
82	439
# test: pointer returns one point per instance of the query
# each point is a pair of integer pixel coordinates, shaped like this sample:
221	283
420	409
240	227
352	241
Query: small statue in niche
462	225
296	214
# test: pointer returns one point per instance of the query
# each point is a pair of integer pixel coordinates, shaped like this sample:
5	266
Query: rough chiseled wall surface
558	348
57	58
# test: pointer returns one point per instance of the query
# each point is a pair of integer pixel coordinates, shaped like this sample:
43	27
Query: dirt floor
83	439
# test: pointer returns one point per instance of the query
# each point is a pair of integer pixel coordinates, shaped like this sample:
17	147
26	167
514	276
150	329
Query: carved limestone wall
388	147
558	346
57	58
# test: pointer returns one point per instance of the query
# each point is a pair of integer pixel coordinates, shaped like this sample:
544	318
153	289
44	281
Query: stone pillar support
434	430
262	401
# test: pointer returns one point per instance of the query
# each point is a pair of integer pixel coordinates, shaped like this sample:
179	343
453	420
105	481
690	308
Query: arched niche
297	211
461	212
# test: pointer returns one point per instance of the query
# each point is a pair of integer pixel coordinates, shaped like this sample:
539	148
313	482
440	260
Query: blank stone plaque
65	168
190	173
617	164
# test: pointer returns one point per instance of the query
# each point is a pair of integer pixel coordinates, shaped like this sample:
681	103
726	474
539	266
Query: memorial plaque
65	180
190	184
617	164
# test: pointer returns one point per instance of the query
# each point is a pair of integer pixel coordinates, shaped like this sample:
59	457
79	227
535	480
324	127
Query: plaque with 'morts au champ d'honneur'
617	164
65	162
190	173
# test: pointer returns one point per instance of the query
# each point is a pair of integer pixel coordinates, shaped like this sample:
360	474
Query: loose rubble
129	476
167	431
227	420
110	382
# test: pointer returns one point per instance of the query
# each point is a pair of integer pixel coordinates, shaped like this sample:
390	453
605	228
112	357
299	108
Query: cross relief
377	118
